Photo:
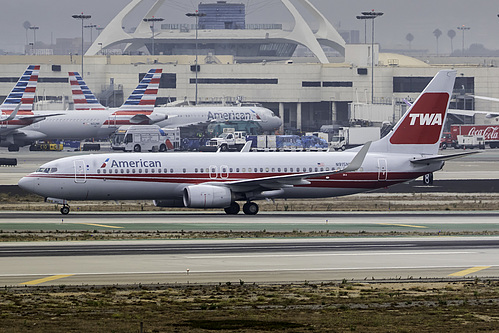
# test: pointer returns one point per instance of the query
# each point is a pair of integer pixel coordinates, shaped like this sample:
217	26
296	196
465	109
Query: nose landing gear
65	210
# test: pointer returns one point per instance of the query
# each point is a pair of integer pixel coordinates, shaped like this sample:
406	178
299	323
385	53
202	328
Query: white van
139	138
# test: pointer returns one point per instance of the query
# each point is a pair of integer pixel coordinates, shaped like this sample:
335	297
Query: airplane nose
27	183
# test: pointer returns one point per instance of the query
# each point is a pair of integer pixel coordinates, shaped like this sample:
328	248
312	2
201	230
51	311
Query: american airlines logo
425	119
226	116
140	163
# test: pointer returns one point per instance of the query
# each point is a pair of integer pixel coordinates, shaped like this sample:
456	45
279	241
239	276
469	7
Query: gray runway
216	261
251	260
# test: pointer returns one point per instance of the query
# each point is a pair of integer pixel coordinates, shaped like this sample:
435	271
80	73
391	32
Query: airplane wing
38	117
279	182
152	118
437	158
471	113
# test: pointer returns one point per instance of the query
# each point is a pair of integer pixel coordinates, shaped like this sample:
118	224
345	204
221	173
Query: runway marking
101	225
326	255
49	278
404	225
469	271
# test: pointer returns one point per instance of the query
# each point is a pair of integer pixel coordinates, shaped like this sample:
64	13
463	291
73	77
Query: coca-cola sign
488	132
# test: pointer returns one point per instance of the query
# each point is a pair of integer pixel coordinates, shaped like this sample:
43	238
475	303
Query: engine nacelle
169	203
207	196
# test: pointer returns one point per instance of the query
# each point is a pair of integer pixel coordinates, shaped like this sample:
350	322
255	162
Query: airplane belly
130	190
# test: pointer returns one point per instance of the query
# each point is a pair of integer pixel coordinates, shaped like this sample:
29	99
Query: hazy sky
420	18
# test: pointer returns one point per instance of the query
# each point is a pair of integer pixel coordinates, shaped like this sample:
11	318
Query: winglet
247	147
358	159
14	113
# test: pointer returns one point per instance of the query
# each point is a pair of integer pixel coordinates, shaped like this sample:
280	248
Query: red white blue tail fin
143	98
420	129
83	97
23	93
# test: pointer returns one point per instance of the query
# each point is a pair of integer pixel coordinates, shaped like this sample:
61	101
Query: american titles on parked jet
221	180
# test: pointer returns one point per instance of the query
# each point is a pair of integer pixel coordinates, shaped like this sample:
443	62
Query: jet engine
207	196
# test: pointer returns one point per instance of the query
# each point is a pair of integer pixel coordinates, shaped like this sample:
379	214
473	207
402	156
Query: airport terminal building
305	92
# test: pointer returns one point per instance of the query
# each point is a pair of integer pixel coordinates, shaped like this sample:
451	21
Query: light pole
153	19
91	26
371	16
463	28
34	28
197	15
365	18
81	17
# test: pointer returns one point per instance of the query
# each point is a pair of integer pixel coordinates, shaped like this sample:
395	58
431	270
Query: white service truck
139	138
470	141
228	141
348	137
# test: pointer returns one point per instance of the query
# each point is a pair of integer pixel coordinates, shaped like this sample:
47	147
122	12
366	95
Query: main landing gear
65	210
249	208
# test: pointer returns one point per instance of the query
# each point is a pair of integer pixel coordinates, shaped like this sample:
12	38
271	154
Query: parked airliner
84	99
17	108
220	180
93	123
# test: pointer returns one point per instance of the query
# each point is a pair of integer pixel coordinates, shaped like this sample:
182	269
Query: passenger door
80	171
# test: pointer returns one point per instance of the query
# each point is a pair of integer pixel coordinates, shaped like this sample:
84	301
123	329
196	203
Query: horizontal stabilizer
441	158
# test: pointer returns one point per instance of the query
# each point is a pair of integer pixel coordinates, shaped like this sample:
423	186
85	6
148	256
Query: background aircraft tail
420	129
83	97
23	92
143	98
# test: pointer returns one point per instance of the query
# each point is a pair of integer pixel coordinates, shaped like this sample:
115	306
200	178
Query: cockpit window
46	170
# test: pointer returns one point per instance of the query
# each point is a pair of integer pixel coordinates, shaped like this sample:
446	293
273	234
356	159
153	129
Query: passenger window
171	170
184	170
202	170
278	170
165	171
273	169
98	170
146	170
244	169
115	170
261	169
152	170
290	169
316	169
237	169
231	170
103	170
122	171
266	169
140	170
133	170
127	170
196	170
327	168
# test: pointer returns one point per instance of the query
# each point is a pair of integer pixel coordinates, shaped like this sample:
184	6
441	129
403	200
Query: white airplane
17	108
84	99
220	180
93	122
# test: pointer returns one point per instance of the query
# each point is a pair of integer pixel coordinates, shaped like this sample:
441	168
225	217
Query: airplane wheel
65	210
233	209
137	148
250	208
13	148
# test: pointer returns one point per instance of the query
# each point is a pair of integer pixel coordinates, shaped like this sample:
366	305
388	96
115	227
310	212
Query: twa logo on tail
426	119
423	123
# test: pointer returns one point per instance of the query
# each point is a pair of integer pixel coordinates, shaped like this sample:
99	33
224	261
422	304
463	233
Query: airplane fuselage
165	176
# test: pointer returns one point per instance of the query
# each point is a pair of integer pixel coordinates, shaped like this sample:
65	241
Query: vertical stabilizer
420	129
83	97
23	93
143	98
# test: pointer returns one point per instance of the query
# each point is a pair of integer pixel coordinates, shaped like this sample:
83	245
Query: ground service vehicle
138	138
228	141
470	141
348	137
489	132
